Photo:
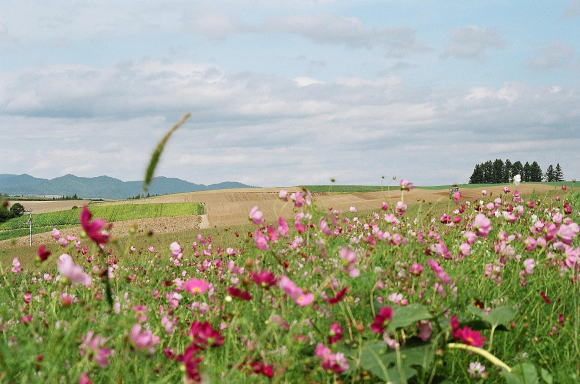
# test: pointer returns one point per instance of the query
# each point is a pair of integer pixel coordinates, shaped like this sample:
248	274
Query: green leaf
381	362
502	315
404	316
497	316
374	358
546	376
524	373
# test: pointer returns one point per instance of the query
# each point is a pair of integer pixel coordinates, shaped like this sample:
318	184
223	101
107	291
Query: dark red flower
338	298
384	316
237	292
191	361
264	279
204	335
545	298
95	228
43	253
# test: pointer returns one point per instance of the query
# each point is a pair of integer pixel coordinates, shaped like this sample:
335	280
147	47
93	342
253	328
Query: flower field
486	291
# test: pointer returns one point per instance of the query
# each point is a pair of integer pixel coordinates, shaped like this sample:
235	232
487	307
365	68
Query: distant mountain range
103	187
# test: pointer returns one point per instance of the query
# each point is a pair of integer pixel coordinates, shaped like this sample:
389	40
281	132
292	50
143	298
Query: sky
288	92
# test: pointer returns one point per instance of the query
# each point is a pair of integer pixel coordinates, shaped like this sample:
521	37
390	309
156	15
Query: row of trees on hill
498	171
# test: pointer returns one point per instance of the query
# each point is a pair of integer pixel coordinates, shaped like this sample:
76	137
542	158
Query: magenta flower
482	225
196	286
466	334
94	229
335	333
240	294
203	334
67	268
143	341
381	319
264	279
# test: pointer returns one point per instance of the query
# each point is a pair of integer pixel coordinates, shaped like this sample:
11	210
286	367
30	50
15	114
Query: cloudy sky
288	92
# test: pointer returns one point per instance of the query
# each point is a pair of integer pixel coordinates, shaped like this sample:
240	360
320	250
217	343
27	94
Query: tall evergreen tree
487	172
507	171
497	171
550	173
517	169
477	175
558	174
536	172
526	176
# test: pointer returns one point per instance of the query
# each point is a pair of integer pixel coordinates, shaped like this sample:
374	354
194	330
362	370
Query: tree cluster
16	210
554	173
498	171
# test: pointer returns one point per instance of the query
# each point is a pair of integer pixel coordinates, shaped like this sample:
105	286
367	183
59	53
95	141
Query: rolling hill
103	187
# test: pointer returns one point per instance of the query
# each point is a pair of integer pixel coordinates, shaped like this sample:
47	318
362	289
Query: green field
44	222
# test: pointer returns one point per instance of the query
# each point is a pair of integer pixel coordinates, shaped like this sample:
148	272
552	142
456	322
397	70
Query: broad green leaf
497	316
404	316
374	358
524	373
546	376
502	315
381	361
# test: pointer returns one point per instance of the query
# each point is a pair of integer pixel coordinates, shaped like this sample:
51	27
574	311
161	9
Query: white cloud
557	54
573	9
266	130
472	42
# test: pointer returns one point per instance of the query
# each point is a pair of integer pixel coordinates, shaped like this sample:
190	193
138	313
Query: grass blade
158	151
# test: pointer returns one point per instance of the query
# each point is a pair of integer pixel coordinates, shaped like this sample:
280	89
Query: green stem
481	352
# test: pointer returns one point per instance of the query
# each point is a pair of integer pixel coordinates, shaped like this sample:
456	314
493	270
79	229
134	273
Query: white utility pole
29	222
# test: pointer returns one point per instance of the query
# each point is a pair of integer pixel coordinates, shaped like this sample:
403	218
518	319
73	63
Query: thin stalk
482	352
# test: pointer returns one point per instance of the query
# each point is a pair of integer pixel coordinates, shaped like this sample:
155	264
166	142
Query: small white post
29	222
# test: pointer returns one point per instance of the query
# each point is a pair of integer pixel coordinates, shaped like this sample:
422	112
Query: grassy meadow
45	222
430	293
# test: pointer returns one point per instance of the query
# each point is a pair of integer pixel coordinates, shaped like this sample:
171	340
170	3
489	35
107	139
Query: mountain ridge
103	187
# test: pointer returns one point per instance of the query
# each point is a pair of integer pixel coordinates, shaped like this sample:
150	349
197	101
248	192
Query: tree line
498	171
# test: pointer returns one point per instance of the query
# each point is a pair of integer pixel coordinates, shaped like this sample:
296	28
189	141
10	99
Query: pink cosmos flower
406	185
84	378
283	195
73	272
176	249
256	216
465	249
16	268
295	293
143	341
334	362
94	229
283	227
196	286
416	269
92	345
482	225
261	240
424	329
400	208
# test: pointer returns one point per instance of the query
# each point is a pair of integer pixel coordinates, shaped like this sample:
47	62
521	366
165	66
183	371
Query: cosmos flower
94	229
